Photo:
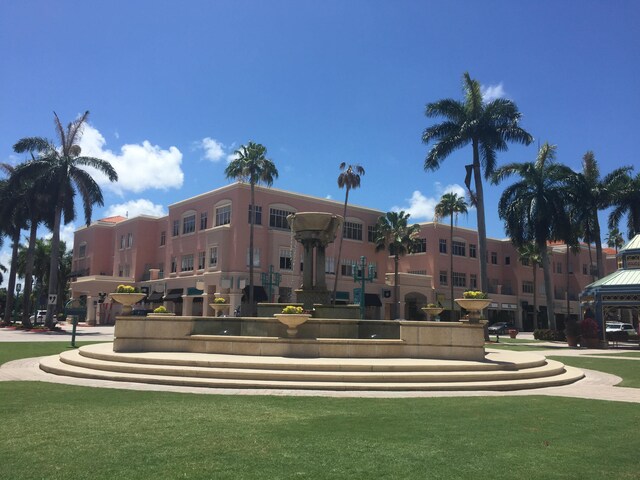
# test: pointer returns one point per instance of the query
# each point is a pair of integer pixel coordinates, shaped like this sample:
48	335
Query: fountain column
307	272
321	283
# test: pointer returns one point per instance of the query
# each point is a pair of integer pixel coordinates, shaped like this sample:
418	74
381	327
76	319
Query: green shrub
125	289
160	309
549	335
291	309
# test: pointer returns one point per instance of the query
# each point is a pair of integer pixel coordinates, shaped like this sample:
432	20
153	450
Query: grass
59	431
15	350
619	353
629	370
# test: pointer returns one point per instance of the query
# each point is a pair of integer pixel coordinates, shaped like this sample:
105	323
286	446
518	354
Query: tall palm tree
394	234
530	255
534	208
58	170
488	127
615	239
450	204
349	179
251	165
590	194
626	201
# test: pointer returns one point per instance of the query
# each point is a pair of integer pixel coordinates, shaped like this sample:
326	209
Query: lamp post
359	275
270	280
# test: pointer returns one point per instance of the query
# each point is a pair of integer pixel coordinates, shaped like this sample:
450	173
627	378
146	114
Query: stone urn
432	311
474	306
292	321
127	300
220	309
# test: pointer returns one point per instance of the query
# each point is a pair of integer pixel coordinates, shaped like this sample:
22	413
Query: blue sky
174	87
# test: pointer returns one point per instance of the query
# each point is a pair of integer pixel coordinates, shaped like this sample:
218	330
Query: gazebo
605	299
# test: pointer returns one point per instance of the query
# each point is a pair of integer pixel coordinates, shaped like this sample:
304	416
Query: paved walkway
84	332
596	385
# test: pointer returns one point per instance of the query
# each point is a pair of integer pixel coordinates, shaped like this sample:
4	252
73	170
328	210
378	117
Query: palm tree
488	127
251	165
615	239
626	201
58	170
394	234
530	255
590	194
349	178
450	204
533	208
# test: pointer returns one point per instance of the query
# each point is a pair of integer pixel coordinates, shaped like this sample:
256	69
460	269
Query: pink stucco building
200	249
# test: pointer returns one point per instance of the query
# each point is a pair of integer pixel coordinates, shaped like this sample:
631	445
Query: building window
347	268
330	265
256	257
420	246
176	228
187	263
82	250
473	281
129	240
204	217
213	256
174	264
202	260
443	246
459	279
163	238
352	230
473	252
371	233
459	248
189	224
527	287
257	219
507	260
122	240
223	215
494	258
161	270
278	218
559	267
443	277
285	259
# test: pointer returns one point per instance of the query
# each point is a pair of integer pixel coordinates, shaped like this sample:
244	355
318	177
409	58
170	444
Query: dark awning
155	297
192	291
174	295
259	294
372	300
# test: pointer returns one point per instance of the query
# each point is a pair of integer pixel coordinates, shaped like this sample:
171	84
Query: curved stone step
74	358
56	366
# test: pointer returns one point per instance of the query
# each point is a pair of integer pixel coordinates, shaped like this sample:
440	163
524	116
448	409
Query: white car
38	317
621	327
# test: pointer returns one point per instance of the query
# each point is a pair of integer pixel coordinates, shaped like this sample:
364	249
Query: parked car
621	327
38	317
500	328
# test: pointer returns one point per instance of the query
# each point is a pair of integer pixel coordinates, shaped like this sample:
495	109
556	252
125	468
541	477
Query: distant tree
251	165
348	179
450	204
626	201
394	234
530	255
58	170
534	208
489	128
615	239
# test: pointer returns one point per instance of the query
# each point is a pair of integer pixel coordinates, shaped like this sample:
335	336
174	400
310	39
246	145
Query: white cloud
213	149
492	92
328	197
422	208
66	234
5	260
232	156
139	166
133	208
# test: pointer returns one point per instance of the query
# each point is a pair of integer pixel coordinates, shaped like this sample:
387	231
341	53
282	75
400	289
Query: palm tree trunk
590	259
535	295
482	229
596	234
11	286
337	264
28	273
396	288
53	265
251	221
544	255
453	308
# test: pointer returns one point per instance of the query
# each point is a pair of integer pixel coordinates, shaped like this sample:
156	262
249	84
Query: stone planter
292	321
513	333
220	309
474	306
127	300
432	311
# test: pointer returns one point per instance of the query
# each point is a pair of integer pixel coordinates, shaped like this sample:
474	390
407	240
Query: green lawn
15	350
61	432
629	370
619	353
